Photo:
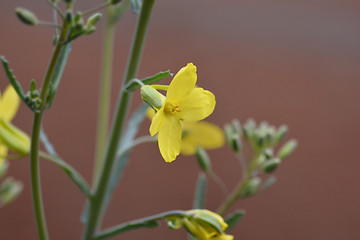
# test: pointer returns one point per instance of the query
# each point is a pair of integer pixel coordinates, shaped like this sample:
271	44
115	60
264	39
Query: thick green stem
35	139
35	179
96	203
105	91
143	222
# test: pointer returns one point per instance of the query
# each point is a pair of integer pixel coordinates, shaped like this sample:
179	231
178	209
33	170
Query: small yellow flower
10	136
183	101
206	225
197	134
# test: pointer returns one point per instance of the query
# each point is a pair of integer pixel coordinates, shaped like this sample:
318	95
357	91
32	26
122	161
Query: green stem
105	91
96	203
219	182
35	179
239	189
143	222
35	139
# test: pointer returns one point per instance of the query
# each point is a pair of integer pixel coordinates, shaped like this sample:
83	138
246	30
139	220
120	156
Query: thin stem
101	6
35	179
56	8
49	24
35	139
136	142
160	87
219	182
239	189
96	203
105	92
143	222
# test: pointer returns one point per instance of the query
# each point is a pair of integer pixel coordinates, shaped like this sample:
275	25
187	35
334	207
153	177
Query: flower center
172	108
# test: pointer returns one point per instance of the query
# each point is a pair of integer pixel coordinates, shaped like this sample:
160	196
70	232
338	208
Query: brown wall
294	62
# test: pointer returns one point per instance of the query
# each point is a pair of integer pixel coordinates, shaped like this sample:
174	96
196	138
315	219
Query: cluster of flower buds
202	224
78	24
263	139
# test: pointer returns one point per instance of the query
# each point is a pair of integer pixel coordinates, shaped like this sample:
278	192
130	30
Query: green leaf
16	85
121	161
149	80
71	172
58	72
234	218
200	191
47	144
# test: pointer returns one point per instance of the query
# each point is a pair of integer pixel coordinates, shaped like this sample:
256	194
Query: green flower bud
252	186
249	129
233	138
26	16
93	20
69	16
287	149
90	30
203	159
152	97
13	138
270	165
281	133
3	167
9	190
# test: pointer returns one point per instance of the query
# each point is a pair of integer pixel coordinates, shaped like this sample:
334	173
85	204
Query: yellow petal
223	237
197	105
150	113
202	134
169	137
3	152
156	121
182	84
9	103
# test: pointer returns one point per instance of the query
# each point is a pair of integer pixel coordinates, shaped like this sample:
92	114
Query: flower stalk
96	203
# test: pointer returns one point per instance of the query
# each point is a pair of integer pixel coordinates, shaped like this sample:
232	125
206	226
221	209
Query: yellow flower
197	134
183	101
206	225
200	134
10	136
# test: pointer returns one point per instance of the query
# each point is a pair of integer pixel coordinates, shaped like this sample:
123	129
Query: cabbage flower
197	134
206	225
183	101
10	136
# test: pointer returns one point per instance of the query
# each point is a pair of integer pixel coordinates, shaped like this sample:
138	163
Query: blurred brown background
295	62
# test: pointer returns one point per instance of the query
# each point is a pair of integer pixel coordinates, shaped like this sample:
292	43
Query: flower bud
26	16
233	138
287	149
248	129
204	223
13	138
281	133
3	167
9	190
270	165
152	97
203	159
93	20
252	186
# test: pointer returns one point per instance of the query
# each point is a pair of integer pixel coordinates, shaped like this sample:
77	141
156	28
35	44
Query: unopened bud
203	159
252	187
26	16
4	165
13	138
9	190
152	97
93	19
270	165
288	148
281	133
90	30
233	138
